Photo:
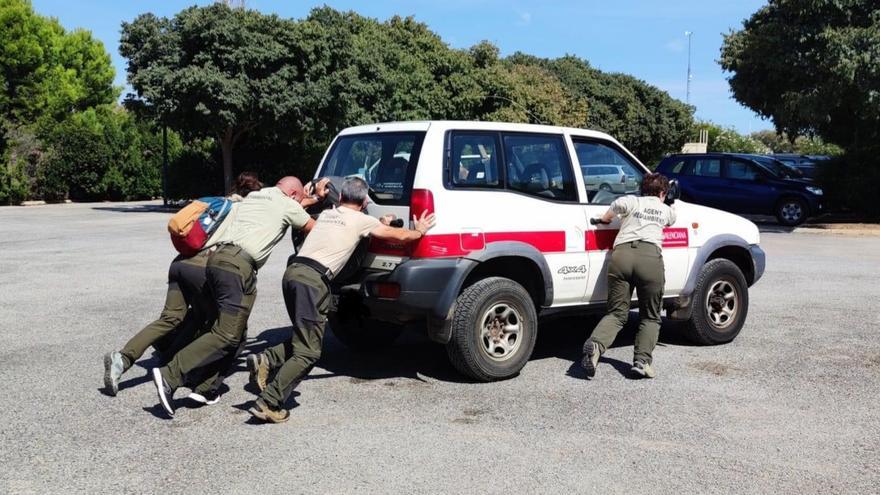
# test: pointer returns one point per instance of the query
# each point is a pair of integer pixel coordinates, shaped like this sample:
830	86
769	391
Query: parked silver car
611	178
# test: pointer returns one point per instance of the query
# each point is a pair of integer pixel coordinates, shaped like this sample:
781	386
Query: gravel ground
790	406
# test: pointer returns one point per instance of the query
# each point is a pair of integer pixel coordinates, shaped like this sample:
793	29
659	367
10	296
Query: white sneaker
166	394
209	400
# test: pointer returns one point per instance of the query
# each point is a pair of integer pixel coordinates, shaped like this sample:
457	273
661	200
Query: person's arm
314	193
309	225
673	216
423	225
608	216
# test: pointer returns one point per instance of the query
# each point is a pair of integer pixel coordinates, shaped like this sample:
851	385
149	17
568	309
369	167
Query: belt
234	250
326	273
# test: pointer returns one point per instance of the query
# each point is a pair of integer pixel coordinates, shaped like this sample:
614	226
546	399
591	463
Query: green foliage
804	145
47	72
648	121
727	140
102	153
814	68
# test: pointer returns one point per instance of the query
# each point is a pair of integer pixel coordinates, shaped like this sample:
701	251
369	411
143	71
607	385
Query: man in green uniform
636	263
306	289
244	245
186	310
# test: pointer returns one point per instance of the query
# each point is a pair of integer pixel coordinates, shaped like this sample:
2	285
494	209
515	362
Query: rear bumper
428	289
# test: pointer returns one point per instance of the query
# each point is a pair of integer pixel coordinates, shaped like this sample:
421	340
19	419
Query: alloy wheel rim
792	212
501	331
722	303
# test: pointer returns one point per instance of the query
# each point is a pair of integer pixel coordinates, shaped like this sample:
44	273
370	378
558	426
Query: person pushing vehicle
636	263
306	288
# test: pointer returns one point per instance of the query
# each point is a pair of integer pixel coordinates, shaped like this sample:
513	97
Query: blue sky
644	38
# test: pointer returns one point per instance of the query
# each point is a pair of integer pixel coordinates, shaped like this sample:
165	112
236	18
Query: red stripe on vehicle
448	245
603	240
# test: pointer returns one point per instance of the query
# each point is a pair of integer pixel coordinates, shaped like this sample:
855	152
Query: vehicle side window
474	160
538	165
677	167
737	169
608	173
707	167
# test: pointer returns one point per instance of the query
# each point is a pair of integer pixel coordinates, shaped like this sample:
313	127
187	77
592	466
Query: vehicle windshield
777	168
385	160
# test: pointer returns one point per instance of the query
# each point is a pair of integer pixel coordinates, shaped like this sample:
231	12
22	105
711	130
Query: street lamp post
689	76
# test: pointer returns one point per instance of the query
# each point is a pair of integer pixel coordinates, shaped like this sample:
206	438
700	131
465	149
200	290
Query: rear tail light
385	290
623	179
421	200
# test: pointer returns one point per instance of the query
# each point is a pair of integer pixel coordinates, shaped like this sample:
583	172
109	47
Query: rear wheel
605	187
720	303
791	211
494	327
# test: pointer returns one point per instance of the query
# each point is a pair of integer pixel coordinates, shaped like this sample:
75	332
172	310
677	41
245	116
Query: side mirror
673	193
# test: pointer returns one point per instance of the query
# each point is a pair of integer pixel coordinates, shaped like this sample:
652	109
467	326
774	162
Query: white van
514	240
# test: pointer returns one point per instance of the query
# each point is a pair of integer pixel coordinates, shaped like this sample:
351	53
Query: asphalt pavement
791	406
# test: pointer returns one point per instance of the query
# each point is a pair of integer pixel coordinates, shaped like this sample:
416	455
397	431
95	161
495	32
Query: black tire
791	211
358	332
707	325
605	187
468	350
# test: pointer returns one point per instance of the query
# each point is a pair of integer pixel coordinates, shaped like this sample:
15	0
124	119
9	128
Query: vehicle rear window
706	167
386	161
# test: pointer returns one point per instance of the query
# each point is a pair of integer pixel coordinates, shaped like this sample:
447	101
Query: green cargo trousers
307	298
186	311
634	265
232	283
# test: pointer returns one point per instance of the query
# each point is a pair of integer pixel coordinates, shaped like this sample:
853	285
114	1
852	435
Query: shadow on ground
415	357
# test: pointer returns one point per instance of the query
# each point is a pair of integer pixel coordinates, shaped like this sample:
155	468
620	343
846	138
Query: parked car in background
611	178
740	184
807	164
778	168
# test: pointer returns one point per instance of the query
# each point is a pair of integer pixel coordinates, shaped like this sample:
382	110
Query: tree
813	66
45	72
804	145
727	140
644	118
216	72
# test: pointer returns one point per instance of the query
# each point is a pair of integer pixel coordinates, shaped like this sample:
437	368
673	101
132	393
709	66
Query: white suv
514	240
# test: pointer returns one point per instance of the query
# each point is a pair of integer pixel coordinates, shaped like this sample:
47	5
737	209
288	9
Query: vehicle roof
424	125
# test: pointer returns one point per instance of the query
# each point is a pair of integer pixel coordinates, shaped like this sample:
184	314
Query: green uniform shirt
259	221
642	218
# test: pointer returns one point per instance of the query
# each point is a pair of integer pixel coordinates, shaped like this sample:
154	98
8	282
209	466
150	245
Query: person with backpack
243	244
186	308
306	288
636	263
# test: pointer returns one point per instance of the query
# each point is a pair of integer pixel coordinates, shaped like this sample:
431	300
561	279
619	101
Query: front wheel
720	303
791	211
494	326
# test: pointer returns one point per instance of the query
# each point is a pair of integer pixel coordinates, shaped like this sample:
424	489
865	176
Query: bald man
243	245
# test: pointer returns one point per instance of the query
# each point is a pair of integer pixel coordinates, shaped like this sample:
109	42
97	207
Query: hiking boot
591	358
267	413
114	367
166	393
258	366
643	369
208	399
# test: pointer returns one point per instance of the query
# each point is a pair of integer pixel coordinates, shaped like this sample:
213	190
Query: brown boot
258	366
267	413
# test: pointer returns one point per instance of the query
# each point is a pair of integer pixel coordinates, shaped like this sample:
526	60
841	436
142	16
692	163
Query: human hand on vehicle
387	219
321	188
425	222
